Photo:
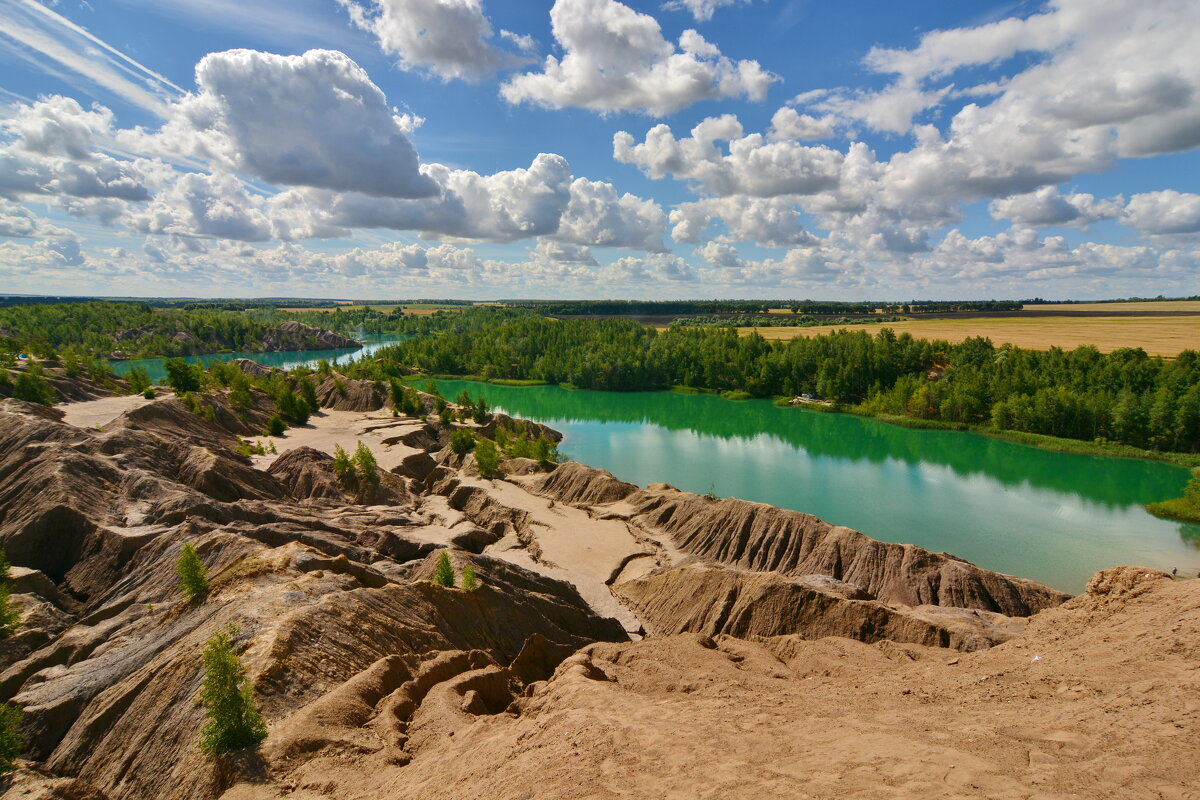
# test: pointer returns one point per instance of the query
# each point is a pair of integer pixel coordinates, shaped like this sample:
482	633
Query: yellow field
1164	336
1149	305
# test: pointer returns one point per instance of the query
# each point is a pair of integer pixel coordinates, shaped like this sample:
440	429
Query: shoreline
1056	444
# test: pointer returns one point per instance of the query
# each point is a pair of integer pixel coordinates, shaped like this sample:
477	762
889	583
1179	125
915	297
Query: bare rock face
579	484
293	335
348	394
713	600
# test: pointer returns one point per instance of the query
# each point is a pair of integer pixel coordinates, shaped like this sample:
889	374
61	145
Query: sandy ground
328	428
98	413
1164	336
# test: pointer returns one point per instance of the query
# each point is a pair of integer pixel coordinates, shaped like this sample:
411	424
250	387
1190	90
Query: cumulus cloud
311	120
449	38
788	123
198	204
1047	206
50	147
753	165
18	222
1165	212
769	222
616	59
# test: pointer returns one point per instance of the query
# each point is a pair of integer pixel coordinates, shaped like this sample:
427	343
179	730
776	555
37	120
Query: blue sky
592	148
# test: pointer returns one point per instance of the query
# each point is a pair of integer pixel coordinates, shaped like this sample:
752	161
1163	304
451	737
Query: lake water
284	360
1054	517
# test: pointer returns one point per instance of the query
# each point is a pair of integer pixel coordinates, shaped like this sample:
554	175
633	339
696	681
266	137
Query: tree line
1125	396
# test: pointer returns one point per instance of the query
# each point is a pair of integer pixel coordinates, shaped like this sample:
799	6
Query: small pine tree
461	441
193	575
233	721
341	461
487	458
11	741
10	617
364	465
443	575
276	426
469	582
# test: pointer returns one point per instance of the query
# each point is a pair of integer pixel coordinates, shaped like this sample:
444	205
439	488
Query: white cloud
597	216
701	10
449	38
1047	206
196	204
769	222
18	222
787	123
752	166
1165	212
616	59
312	120
551	251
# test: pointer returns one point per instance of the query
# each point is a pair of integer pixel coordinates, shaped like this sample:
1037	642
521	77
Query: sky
489	149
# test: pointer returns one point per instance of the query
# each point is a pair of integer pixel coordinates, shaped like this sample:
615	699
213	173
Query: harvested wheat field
1161	336
1140	305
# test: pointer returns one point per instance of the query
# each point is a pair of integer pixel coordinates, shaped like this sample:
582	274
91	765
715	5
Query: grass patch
734	394
1177	508
517	382
680	389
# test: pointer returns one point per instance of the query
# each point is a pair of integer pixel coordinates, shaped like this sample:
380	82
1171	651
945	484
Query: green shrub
233	721
339	387
479	412
487	458
10	617
139	380
309	394
276	426
342	465
364	466
11	741
469	582
149	393
443	574
33	388
193	575
462	441
183	377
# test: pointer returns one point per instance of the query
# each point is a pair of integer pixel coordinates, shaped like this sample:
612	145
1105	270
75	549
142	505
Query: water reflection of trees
1111	482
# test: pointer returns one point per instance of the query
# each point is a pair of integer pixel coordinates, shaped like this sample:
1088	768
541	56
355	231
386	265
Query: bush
139	380
149	393
183	377
341	462
276	426
11	741
443	574
309	393
10	617
462	441
364	466
233	721
193	575
32	387
487	458
469	582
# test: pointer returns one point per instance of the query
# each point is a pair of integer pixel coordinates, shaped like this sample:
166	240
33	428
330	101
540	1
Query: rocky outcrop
348	394
293	335
713	600
309	475
579	484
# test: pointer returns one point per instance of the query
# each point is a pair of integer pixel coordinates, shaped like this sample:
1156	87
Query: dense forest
104	328
1125	396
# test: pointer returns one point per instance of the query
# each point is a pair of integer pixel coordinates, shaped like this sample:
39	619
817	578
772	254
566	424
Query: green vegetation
1186	508
233	721
1124	397
139	380
342	464
462	441
276	426
32	387
469	582
683	307
11	741
357	473
183	377
193	575
779	321
515	441
149	393
443	573
10	616
487	458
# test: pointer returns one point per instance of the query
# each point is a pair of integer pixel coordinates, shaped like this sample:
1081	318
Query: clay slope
762	538
293	335
714	600
1097	699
